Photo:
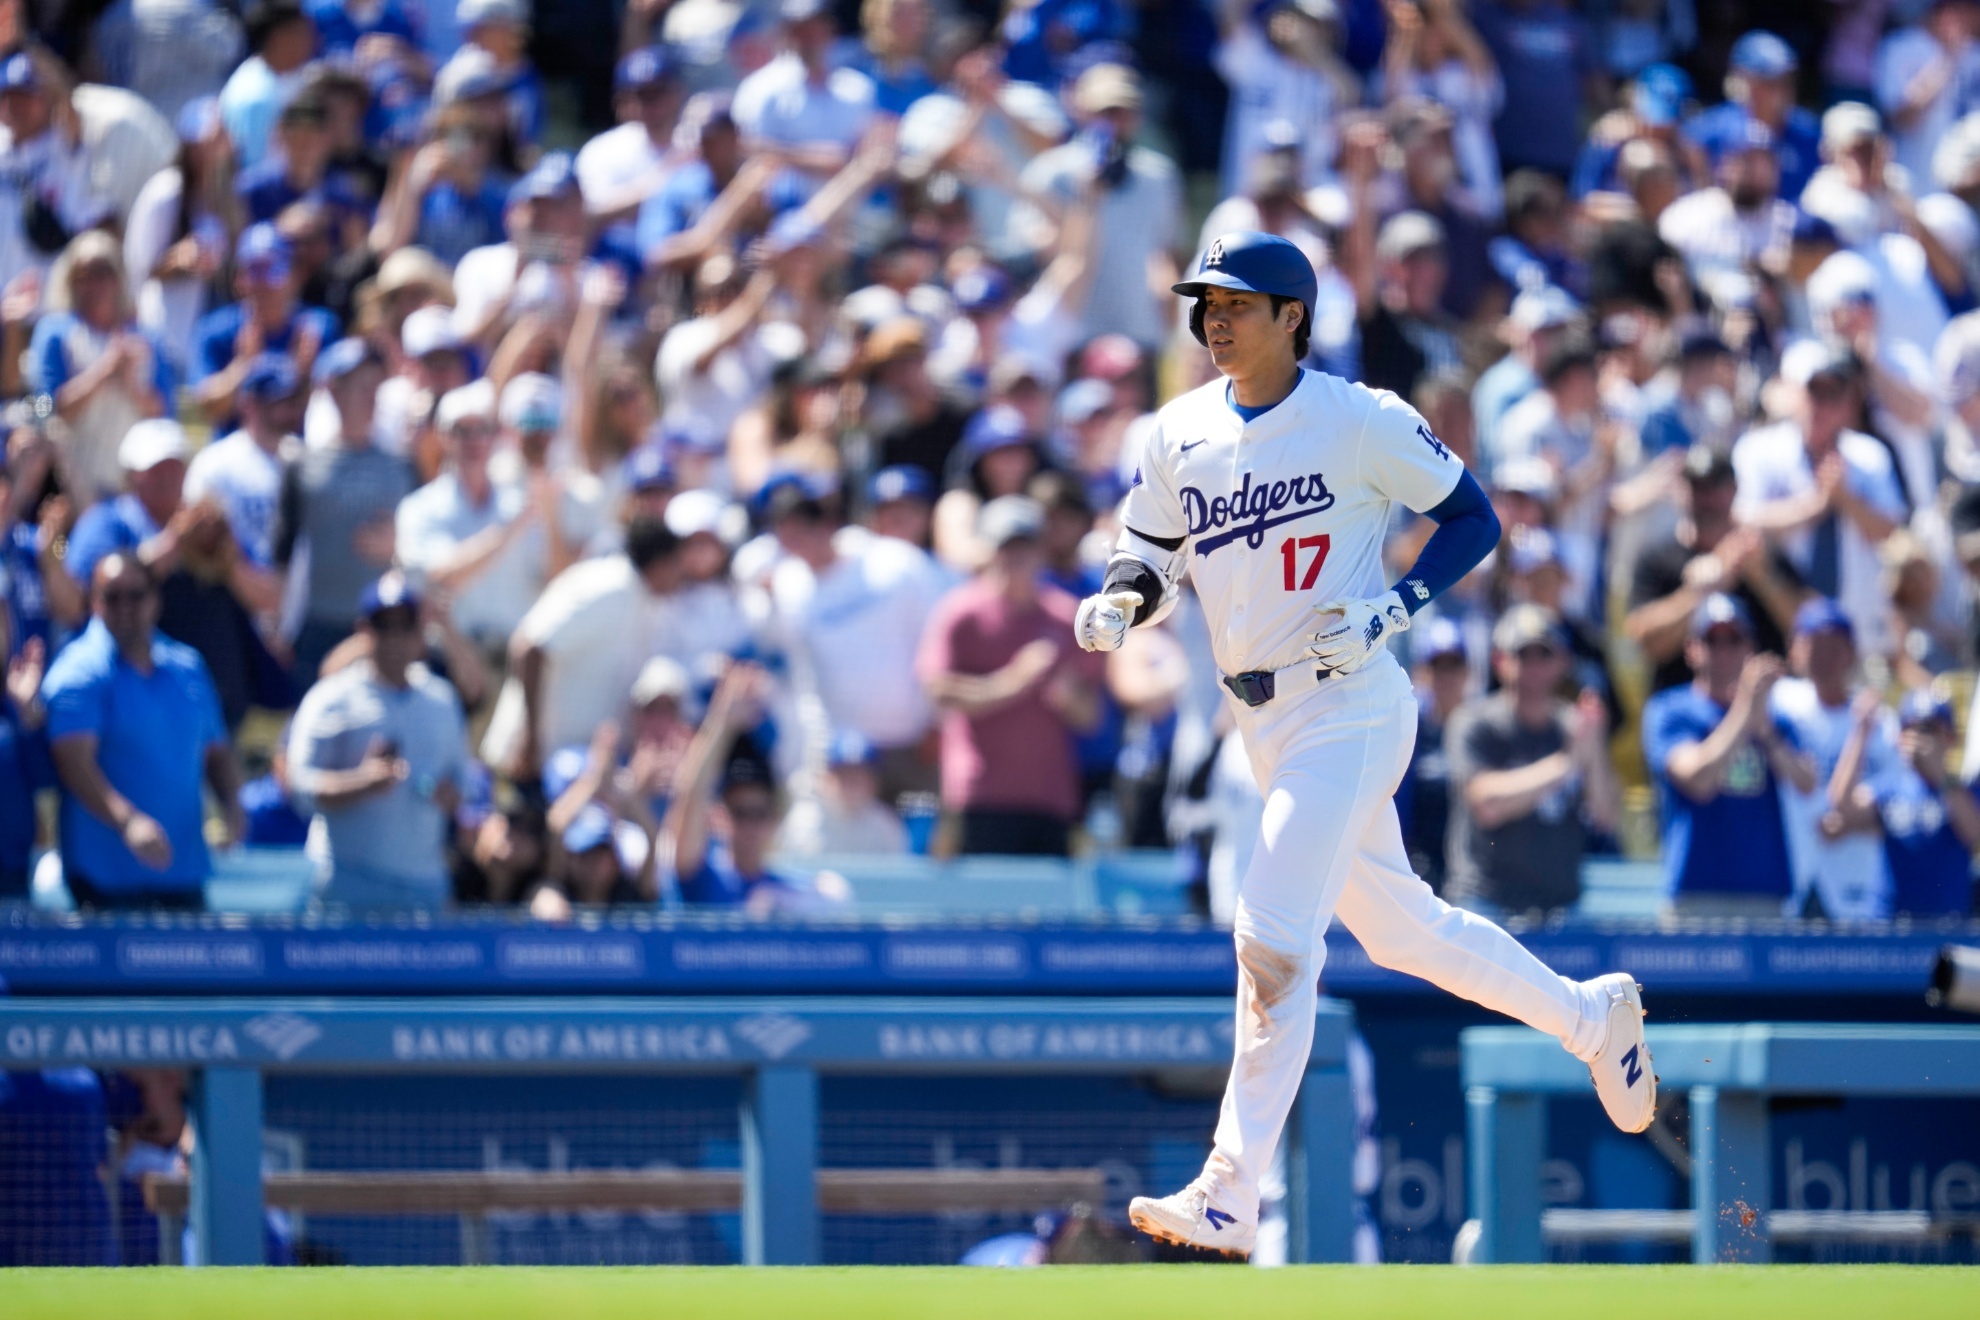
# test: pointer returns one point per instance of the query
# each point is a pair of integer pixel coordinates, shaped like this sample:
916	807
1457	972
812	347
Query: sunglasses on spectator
1827	391
1727	639
394	621
1537	651
750	815
127	596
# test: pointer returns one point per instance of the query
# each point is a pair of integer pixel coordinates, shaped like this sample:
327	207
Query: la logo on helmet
1215	256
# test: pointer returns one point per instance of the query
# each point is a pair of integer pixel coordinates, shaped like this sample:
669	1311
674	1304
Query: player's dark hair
1302	334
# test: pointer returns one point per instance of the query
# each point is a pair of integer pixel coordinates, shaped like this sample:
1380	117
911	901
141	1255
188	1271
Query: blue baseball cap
643	68
1822	615
553	176
1441	637
646	468
590	828
391	592
772	499
1812	228
342	358
1255	263
1720	610
981	288
1763	55
263	252
1924	706
851	748
271	376
903	481
996	427
18	74
1660	93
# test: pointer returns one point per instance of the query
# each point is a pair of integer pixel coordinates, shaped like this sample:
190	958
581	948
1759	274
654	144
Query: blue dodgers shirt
1931	871
152	734
1737	842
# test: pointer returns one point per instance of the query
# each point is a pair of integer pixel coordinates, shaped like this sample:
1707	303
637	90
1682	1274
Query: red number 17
1289	551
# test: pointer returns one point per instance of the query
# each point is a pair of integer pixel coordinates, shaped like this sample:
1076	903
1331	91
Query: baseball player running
1273	486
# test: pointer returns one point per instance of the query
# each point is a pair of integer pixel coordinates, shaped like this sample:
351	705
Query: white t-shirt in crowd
1717	241
853	632
779	103
483	277
620	166
1266	85
1850	874
1136	219
705	404
246	481
1904	54
596	624
432	523
1771	464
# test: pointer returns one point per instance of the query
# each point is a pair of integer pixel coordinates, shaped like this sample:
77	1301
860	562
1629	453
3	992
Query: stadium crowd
632	454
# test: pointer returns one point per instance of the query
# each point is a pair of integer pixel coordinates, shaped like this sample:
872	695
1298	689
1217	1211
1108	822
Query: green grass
1200	1292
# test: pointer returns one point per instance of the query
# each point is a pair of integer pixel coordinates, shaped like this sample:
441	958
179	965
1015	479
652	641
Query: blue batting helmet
1255	263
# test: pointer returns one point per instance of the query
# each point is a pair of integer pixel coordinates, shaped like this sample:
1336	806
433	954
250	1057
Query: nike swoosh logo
1197	445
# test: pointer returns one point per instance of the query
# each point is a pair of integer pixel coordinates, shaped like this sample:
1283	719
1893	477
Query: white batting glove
1102	621
1357	630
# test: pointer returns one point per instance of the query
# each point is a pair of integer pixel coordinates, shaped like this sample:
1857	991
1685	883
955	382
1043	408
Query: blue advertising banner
645	954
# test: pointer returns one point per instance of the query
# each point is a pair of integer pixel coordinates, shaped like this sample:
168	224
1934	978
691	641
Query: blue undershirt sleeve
1467	529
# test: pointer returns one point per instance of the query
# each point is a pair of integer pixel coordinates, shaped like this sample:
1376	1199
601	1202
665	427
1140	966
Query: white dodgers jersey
1287	511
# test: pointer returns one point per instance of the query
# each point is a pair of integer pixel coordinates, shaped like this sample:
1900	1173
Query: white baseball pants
1328	761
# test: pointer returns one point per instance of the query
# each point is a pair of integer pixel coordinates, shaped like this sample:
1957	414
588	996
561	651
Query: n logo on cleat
1632	1070
1217	1218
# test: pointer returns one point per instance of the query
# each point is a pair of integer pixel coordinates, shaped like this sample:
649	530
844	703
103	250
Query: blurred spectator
1930	821
283	41
268	318
575	654
1829	494
270	817
377	752
723	818
1281	65
1435	53
1442	677
1136	199
808	113
1700	410
619	169
1534	251
1839	874
1719	758
49	197
242	472
849	610
1405	333
998	662
1422	131
1708	552
295	169
1549	70
1562	425
339	500
206	593
543	220
495	46
847	814
895	38
1760	88
134	726
103	371
900	503
1537	320
173	53
181	228
1529	773
451	199
464	533
25	768
1724	231
1926	76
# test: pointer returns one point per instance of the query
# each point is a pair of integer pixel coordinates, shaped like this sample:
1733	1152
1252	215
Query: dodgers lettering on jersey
1288	510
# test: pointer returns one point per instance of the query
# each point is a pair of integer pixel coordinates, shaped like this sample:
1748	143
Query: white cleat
1191	1219
1624	1077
